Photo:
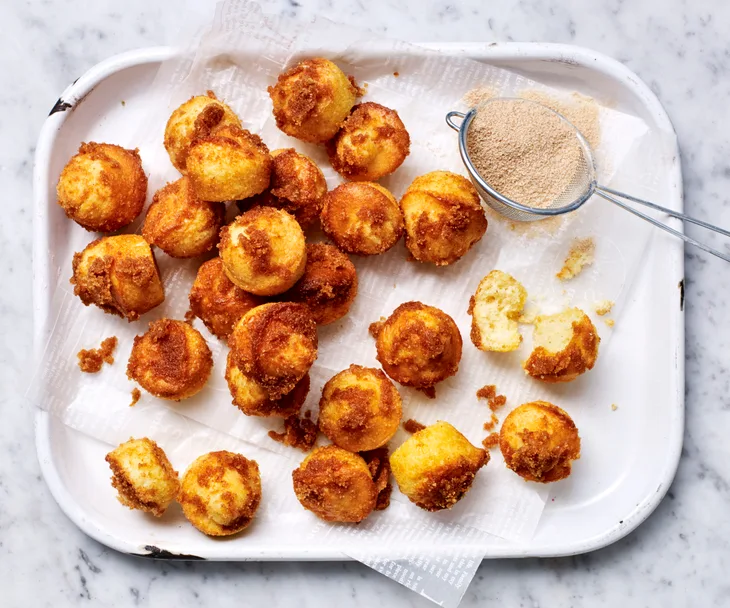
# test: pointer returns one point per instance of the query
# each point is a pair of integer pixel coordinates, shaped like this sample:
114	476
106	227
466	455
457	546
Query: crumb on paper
136	394
429	391
91	360
413	426
396	74
124	103
360	90
376	327
379	466
491	423
478	95
581	254
489	392
299	433
603	307
308	414
609	322
491	441
614	407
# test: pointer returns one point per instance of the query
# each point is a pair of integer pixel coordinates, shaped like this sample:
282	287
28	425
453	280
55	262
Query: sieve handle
614	195
450	119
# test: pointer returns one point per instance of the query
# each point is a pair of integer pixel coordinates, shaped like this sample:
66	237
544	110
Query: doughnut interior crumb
491	441
136	394
614	407
582	253
413	426
91	360
379	465
300	433
609	322
603	307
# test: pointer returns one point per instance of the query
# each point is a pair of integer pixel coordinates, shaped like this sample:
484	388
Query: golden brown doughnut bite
275	344
335	485
254	400
360	409
216	301
564	346
328	286
418	345
171	360
221	492
143	476
443	217
539	441
263	251
118	274
181	224
435	467
297	186
102	187
196	118
371	144
312	99
229	164
494	310
362	218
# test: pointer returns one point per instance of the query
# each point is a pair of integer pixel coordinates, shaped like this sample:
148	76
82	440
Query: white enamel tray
635	448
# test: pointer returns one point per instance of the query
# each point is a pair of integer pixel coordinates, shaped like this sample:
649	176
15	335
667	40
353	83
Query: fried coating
254	400
263	251
181	224
419	345
275	344
221	492
312	99
539	441
171	360
328	286
229	164
362	218
198	117
372	143
216	301
92	359
143	476
335	485
297	186
118	274
564	346
443	217
495	309
103	187
435	467
360	409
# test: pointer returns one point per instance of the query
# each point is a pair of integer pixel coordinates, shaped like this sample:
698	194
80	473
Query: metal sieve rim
463	129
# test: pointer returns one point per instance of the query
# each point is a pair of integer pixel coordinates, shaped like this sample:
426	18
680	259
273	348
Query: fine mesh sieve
578	189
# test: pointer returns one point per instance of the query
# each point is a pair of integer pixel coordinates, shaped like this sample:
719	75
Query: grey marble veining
679	557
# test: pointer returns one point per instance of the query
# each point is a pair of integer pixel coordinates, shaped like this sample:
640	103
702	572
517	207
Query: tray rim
549	52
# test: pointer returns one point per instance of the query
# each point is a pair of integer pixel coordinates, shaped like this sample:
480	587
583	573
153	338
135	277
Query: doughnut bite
103	187
171	360
275	344
539	441
436	466
360	409
118	274
494	310
297	186
328	286
198	117
312	99
443	217
418	345
263	251
565	345
372	143
362	218
216	301
221	492
180	224
143	476
254	400
335	485
229	164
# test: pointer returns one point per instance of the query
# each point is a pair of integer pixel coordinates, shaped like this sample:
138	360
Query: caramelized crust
170	361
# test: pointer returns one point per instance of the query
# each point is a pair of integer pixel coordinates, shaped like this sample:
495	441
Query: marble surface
679	557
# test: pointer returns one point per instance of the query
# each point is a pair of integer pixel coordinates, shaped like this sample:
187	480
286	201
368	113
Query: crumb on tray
581	254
